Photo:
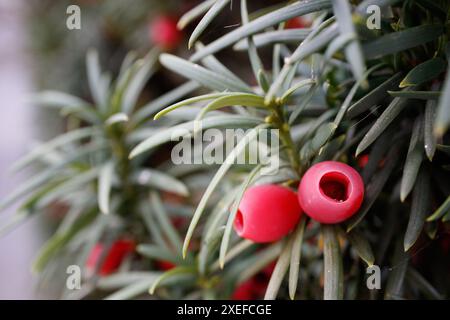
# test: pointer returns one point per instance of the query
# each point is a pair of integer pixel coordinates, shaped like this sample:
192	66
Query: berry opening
239	223
334	185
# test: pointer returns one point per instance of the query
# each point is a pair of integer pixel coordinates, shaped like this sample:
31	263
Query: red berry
164	265
244	291
118	251
93	257
331	192
362	160
164	32
255	287
260	286
178	222
267	213
297	23
252	289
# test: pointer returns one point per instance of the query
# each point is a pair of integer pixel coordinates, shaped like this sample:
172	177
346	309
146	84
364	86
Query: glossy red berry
331	192
267	213
164	32
118	251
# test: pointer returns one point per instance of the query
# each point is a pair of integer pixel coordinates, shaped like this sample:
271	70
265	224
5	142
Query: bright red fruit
118	251
267	213
164	32
331	192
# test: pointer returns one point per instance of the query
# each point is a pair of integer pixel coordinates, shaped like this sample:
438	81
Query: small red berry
267	213
244	291
331	192
297	23
164	32
93	257
251	289
164	265
260	286
118	251
178	222
255	287
362	160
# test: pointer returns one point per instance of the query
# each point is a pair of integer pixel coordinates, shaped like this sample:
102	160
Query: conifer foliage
376	99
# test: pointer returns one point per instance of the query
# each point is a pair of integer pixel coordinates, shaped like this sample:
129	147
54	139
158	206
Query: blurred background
37	52
18	131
